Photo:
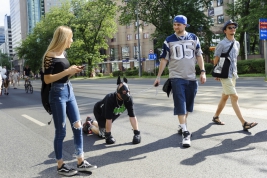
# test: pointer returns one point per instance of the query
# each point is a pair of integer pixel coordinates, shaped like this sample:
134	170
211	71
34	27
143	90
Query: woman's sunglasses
230	28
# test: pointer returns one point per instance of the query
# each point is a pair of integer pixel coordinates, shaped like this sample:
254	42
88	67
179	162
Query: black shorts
101	120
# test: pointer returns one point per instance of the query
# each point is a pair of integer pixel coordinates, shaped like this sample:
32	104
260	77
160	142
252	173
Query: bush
117	73
257	66
110	74
100	75
131	72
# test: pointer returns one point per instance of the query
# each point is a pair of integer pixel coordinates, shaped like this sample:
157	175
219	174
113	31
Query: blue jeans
63	103
184	92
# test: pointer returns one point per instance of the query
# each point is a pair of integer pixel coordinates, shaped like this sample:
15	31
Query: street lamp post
138	34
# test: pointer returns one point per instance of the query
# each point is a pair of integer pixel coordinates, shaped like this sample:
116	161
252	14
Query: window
125	52
129	37
137	37
220	19
219	2
146	35
112	54
113	39
211	11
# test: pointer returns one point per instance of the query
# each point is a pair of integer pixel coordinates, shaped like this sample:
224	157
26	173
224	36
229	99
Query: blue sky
4	9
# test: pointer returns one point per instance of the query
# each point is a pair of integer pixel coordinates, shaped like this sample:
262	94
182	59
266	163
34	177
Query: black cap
229	22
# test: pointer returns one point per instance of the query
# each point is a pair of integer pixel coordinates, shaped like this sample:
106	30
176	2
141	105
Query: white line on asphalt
0	103
33	120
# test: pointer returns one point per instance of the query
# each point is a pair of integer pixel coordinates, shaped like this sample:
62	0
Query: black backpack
45	96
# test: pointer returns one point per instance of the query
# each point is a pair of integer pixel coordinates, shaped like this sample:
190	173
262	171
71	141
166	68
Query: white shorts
228	85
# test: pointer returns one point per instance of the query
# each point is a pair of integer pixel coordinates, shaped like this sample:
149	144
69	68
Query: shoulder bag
221	69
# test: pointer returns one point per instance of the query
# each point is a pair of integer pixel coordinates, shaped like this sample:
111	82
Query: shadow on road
227	145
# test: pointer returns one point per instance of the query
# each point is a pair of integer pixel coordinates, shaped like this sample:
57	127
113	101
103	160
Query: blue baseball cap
181	19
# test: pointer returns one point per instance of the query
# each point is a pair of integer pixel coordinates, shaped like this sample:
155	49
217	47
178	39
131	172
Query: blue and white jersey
181	52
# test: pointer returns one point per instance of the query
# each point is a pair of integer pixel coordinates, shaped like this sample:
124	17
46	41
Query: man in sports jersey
182	50
109	109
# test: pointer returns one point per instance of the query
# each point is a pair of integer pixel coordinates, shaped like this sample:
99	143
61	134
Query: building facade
8	36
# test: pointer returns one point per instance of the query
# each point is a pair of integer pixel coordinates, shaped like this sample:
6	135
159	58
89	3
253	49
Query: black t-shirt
27	71
111	108
56	65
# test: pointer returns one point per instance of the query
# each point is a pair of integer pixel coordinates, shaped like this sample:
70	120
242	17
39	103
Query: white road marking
33	120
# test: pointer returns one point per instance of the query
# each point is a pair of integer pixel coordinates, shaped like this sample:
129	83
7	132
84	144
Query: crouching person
109	109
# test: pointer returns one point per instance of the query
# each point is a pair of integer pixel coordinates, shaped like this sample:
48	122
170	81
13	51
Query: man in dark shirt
109	109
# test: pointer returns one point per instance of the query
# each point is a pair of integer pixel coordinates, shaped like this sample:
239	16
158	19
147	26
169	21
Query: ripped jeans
63	104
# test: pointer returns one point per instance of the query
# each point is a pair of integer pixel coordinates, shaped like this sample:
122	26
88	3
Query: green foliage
100	74
243	67
247	13
91	21
117	73
5	60
133	72
251	66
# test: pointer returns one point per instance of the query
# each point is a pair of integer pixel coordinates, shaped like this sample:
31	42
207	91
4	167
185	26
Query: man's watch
202	71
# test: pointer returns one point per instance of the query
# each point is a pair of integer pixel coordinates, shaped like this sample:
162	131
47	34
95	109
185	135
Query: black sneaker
66	171
85	166
180	130
186	139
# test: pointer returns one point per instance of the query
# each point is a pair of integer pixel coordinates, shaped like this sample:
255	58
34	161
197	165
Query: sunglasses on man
232	27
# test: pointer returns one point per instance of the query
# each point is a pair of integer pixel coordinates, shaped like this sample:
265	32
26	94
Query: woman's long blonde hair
60	41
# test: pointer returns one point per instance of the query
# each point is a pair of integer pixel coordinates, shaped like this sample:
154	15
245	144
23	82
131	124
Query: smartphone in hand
82	67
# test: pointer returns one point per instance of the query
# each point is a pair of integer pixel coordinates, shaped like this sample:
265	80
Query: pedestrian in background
1	80
57	71
228	84
15	79
182	50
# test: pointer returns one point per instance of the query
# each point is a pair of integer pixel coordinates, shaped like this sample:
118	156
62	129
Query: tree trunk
242	48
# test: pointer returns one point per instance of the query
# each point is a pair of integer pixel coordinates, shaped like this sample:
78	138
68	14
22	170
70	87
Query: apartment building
123	47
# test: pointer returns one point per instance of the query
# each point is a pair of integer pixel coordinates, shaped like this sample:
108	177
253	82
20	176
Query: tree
92	22
5	60
160	13
247	13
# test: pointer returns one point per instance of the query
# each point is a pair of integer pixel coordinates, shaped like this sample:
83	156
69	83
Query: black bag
221	69
167	87
45	96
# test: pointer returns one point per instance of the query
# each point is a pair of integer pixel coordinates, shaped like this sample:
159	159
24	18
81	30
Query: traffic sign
263	29
152	56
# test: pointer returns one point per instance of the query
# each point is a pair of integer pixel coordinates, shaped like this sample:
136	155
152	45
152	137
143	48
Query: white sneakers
186	139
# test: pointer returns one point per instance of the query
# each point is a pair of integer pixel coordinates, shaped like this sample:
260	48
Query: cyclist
27	72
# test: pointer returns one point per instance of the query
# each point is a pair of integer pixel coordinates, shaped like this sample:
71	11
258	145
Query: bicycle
28	85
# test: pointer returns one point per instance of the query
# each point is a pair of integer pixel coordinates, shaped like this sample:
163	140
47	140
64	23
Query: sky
4	9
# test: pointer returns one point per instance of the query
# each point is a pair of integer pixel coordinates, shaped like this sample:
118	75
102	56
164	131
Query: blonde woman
57	71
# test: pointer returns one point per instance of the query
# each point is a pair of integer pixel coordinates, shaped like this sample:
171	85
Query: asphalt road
26	147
